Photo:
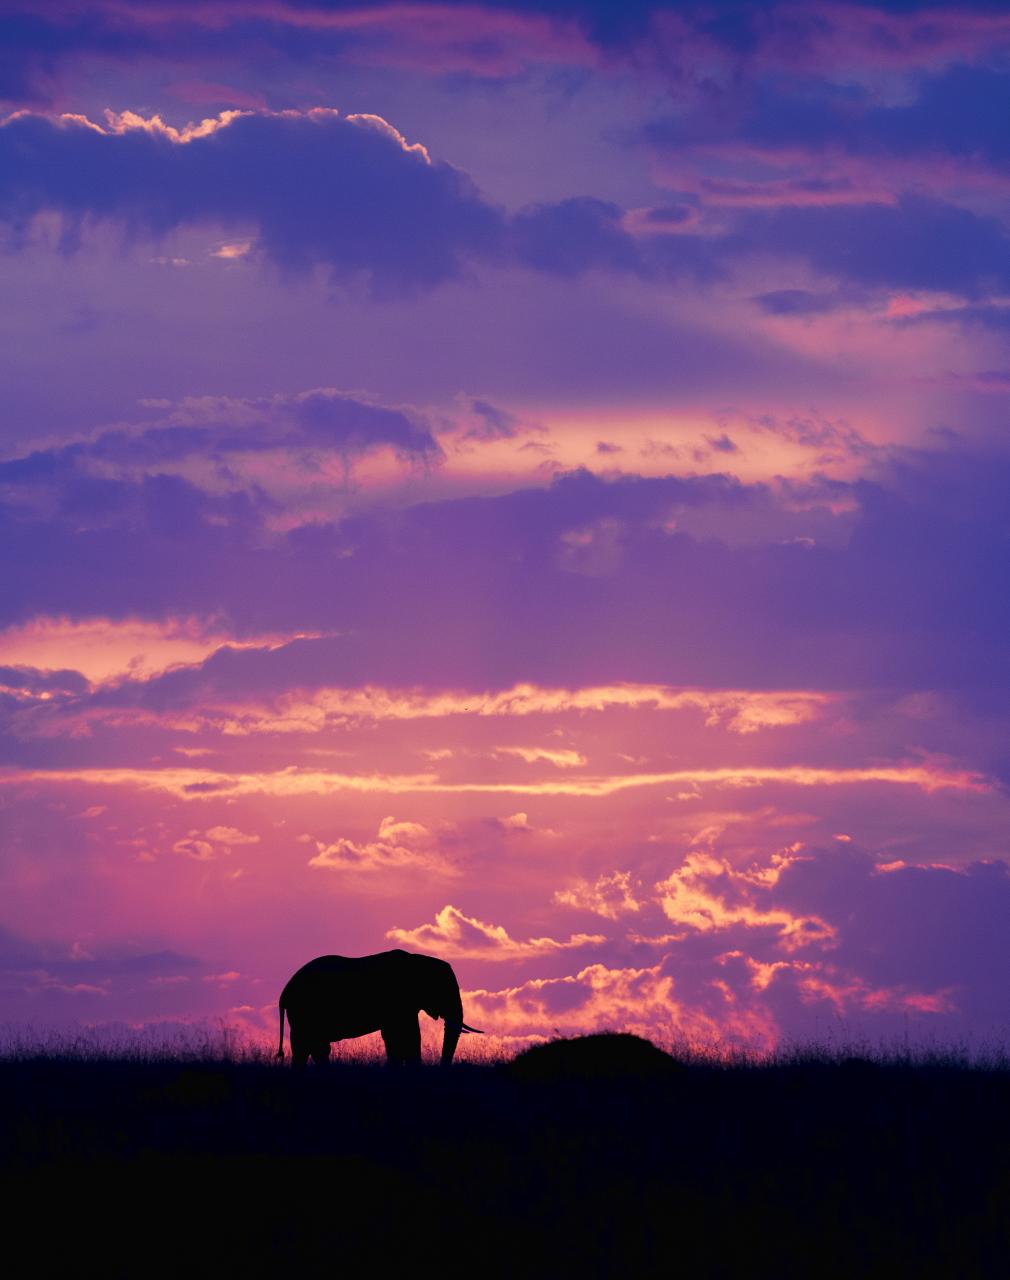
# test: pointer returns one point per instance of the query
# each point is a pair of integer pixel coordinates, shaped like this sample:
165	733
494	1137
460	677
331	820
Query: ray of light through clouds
520	481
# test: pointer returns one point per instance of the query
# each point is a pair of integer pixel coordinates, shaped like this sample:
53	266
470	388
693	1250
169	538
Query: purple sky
522	481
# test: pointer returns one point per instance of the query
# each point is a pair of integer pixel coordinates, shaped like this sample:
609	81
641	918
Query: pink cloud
399	846
813	191
437	38
839	39
205	93
561	758
215	842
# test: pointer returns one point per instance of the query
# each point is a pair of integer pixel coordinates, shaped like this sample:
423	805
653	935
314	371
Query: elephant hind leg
320	1052
299	1050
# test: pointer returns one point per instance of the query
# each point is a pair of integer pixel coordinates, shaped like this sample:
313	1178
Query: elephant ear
426	984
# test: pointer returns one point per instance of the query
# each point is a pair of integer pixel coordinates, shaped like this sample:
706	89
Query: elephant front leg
403	1043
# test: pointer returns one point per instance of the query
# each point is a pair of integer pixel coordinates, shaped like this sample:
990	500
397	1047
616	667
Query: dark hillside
810	1170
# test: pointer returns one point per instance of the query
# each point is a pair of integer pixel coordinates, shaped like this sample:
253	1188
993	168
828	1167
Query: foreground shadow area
571	1162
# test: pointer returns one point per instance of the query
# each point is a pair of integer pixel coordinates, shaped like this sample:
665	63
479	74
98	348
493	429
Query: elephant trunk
449	1042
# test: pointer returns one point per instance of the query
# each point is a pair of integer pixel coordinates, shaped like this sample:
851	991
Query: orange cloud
739	711
707	894
516	822
232	252
230	836
610	895
120	122
104	649
718	1020
459	936
189	784
642	1001
379	125
742	711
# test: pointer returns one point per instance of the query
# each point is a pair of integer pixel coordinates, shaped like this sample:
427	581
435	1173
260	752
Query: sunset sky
525	481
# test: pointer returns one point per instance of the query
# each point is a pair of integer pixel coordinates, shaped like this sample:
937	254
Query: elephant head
439	997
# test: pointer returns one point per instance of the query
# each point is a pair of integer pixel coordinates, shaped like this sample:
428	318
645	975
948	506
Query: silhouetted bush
609	1055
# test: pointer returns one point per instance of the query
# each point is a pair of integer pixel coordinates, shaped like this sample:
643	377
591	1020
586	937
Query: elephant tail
280	1047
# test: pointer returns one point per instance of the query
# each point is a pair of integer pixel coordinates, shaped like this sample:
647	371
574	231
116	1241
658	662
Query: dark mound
606	1056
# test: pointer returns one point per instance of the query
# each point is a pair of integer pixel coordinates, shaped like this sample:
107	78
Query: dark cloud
957	111
960	112
320	189
918	243
304	426
346	425
348	195
974	316
42	40
343	193
670	215
24	954
32	681
819	141
42	980
573	235
800	302
492	422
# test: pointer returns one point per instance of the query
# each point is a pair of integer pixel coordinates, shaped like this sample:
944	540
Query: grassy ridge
804	1168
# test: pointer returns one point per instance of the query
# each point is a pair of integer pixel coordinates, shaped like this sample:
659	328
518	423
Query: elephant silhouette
341	997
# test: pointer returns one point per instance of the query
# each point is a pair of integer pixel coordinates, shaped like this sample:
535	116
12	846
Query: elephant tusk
472	1030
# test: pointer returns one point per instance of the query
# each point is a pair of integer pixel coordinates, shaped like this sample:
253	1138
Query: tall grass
217	1041
209	1041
